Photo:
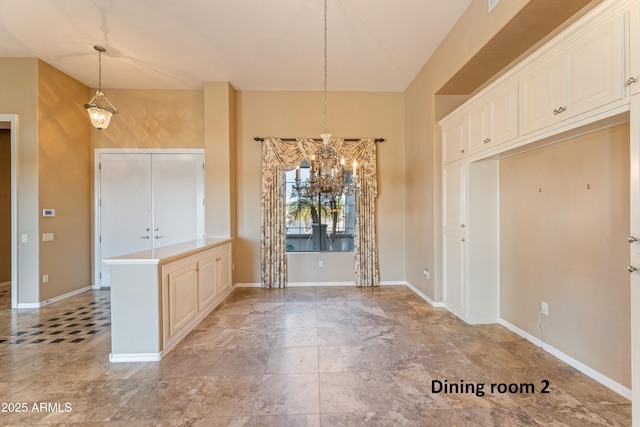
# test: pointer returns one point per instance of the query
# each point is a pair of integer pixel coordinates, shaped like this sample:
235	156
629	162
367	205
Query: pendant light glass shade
100	109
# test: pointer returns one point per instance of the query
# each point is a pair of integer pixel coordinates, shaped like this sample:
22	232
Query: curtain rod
260	139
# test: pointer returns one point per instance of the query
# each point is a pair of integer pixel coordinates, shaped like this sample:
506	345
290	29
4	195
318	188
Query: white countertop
167	253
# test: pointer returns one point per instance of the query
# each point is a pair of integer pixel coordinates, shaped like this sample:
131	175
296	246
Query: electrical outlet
45	278
320	263
544	308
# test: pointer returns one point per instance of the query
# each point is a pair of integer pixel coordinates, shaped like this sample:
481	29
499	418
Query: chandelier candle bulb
298	173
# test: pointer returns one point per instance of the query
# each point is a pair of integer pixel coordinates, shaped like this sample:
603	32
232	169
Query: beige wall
564	217
153	119
300	114
5	205
18	86
64	177
423	151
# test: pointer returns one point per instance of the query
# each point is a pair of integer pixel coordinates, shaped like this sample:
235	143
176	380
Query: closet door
178	198
125	207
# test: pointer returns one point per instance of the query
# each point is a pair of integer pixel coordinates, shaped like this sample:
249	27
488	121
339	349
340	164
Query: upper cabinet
493	119
633	80
586	73
454	138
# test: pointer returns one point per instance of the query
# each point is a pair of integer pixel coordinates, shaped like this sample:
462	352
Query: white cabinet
454	277
454	189
192	286
493	119
585	74
633	77
454	138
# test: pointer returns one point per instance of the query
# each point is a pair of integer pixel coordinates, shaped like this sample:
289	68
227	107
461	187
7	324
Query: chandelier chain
326	127
99	70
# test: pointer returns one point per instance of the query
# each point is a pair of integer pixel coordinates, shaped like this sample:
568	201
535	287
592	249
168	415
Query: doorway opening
8	211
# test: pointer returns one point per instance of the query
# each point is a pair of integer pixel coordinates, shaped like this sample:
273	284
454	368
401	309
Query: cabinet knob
631	269
486	141
463	239
462	151
561	110
461	225
632	239
631	80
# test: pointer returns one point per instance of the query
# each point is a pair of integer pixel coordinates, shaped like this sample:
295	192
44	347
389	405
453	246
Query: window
319	223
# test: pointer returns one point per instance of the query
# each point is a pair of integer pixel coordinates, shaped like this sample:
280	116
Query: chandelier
327	174
100	109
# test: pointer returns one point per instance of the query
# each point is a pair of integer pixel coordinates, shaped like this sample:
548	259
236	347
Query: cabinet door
454	273
479	126
223	269
454	138
206	280
183	296
502	105
540	95
594	69
454	196
633	79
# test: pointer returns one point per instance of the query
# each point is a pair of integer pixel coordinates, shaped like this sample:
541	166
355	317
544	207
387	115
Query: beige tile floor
317	356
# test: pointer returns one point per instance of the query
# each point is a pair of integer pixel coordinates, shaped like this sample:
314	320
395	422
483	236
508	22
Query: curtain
278	156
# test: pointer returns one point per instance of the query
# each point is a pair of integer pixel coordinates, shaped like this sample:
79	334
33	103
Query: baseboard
312	284
54	299
135	357
590	372
423	296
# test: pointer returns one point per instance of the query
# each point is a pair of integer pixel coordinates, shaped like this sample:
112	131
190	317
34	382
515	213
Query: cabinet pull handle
631	80
462	151
463	239
486	141
555	112
145	237
461	225
631	269
159	237
632	239
561	110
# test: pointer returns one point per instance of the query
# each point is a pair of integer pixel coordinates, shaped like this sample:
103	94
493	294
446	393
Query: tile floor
337	356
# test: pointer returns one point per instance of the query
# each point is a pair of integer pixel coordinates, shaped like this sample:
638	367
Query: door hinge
99	239
99	166
100	275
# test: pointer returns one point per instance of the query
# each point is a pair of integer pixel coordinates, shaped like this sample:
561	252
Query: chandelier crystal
100	109
327	173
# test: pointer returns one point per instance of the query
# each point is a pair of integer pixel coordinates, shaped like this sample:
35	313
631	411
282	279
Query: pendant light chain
326	127
99	70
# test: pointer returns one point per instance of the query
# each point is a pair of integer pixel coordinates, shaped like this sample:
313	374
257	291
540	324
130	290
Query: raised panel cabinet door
206	280
454	273
124	204
503	114
183	297
454	183
178	198
540	95
454	138
224	268
479	123
594	65
633	76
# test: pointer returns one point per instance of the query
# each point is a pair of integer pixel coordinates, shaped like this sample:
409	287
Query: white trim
590	372
423	296
12	119
312	284
134	357
55	299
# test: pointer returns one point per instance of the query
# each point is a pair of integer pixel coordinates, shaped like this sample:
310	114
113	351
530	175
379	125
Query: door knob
631	269
632	239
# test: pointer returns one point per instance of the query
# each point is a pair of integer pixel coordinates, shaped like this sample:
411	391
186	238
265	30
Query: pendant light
100	109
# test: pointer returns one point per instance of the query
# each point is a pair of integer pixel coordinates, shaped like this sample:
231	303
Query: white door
147	200
125	207
455	274
178	198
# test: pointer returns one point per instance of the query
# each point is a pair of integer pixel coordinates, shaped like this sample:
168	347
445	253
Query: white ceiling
373	45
